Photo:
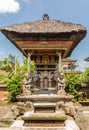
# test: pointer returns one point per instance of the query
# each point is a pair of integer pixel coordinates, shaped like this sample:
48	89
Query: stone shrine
44	100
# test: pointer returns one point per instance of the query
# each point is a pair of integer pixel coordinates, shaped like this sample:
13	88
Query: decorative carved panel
38	59
45	59
52	59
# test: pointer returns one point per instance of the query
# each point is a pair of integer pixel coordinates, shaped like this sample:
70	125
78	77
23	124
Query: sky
20	11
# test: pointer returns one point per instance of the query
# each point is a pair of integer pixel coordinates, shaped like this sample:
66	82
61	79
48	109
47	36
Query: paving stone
71	125
18	123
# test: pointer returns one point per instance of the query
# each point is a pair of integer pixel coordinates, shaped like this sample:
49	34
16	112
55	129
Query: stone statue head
61	75
27	76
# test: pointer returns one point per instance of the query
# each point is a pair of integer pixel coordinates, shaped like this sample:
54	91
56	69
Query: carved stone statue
61	84
27	84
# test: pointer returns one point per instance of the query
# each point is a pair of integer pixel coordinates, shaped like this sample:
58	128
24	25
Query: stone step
44	124
35	128
44	105
57	116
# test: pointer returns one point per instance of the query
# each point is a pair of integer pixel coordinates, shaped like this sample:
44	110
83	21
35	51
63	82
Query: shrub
86	75
14	87
73	84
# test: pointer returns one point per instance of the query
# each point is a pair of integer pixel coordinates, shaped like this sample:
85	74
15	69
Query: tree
24	67
12	58
10	64
6	65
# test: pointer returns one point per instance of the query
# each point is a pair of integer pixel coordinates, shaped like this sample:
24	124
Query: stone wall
86	90
3	87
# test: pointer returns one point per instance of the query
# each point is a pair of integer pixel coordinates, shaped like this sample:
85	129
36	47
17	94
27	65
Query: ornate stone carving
45	80
38	59
52	59
25	106
27	84
45	59
61	84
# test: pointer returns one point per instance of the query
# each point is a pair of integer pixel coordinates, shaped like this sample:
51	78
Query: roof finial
45	17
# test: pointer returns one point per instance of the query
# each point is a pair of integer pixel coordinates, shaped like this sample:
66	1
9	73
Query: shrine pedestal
44	98
46	109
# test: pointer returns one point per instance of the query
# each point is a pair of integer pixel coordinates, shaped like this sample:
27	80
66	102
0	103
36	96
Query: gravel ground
7	116
82	118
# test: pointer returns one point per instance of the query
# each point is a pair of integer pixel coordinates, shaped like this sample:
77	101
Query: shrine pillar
59	61
29	61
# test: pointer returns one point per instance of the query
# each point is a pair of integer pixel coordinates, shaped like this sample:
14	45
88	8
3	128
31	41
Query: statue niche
45	59
43	80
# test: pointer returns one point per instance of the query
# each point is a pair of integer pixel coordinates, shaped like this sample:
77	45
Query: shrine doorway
45	83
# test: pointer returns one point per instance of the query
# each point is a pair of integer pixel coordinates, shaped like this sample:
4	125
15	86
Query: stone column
50	79
41	83
59	61
50	82
41	80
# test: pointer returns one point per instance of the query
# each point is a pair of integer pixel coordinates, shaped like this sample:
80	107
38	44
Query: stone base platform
44	97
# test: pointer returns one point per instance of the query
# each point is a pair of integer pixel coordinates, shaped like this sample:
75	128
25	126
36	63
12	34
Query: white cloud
9	6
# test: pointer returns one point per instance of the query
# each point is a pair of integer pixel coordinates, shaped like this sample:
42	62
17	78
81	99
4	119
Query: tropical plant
10	64
6	65
85	75
73	84
3	78
14	87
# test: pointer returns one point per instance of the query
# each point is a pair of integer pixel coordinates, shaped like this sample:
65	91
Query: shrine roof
87	59
68	60
45	26
45	30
